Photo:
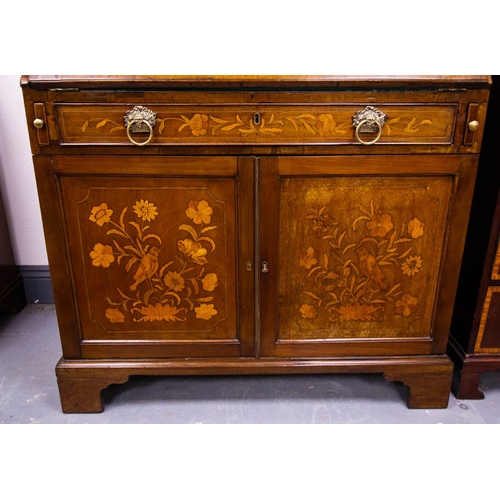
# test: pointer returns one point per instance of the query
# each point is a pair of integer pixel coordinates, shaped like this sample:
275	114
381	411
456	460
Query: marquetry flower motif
199	124
160	312
199	211
332	280
101	214
145	210
326	124
308	311
379	225
114	316
322	221
308	258
406	305
205	311
412	265
209	282
193	250
102	255
357	312
415	228
174	281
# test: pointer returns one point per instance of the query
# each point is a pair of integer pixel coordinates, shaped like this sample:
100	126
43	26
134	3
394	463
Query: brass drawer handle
369	120
138	122
140	119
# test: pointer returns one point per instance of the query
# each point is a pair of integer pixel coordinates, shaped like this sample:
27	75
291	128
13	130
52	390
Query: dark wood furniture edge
81	381
250	81
470	367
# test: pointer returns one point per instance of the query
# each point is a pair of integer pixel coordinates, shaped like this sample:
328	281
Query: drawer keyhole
256	118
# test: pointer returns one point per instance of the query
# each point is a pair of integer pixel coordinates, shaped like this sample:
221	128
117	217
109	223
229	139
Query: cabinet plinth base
80	382
470	367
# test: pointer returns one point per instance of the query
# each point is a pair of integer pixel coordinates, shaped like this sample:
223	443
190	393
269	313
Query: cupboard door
355	249
158	249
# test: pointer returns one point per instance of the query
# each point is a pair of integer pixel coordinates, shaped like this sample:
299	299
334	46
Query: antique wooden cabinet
239	225
475	329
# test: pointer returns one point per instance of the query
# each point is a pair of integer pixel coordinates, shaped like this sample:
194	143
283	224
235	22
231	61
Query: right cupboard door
360	254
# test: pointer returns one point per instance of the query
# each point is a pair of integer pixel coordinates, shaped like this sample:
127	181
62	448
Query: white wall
17	179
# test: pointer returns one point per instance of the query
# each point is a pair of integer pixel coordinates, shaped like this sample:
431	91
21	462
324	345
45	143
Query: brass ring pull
132	122
367	143
138	120
369	120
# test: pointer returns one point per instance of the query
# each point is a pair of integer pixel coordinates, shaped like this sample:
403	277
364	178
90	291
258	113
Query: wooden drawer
251	124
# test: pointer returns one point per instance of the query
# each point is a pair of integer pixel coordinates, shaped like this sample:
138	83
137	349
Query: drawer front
249	124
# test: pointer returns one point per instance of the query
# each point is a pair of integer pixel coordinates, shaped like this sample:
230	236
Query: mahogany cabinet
475	329
254	225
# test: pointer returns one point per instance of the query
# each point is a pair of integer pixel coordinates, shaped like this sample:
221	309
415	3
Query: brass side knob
38	123
473	125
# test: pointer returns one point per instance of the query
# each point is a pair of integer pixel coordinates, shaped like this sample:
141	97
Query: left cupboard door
159	251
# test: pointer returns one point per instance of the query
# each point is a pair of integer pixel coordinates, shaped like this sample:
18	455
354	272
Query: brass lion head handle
140	119
369	120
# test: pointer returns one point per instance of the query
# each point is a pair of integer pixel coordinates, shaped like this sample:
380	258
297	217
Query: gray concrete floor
30	349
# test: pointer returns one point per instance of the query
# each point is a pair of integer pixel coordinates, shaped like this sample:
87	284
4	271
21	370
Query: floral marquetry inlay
352	274
323	124
159	284
365	256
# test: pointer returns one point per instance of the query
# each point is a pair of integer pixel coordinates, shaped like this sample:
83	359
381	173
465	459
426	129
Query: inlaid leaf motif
190	229
388	124
230	127
293	122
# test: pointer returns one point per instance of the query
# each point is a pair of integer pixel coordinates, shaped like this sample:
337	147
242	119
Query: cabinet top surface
252	81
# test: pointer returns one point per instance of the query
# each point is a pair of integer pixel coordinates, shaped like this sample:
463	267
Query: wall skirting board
37	284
